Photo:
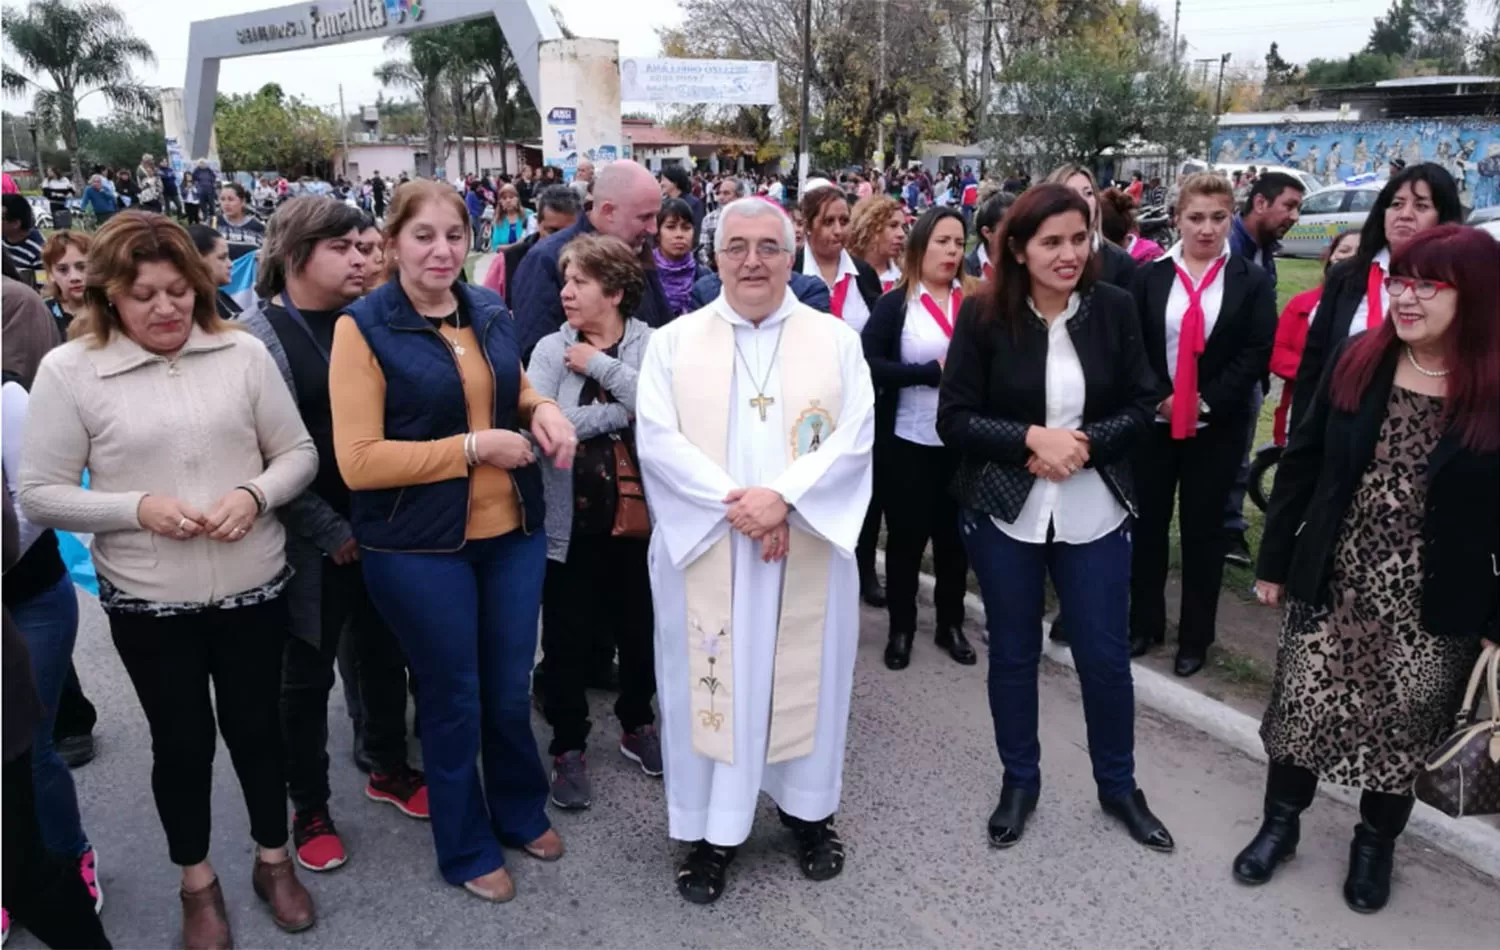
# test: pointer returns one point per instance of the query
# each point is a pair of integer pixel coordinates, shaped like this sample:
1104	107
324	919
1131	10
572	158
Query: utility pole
1219	96
880	120
1176	16
344	130
804	139
984	66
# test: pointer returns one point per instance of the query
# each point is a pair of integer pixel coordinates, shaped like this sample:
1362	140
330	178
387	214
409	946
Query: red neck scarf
1374	311
1190	344
944	320
886	285
988	270
840	292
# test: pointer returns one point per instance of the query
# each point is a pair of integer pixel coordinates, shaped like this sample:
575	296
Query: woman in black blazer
1419	197
906	344
853	288
1383	535
1044	395
1192	450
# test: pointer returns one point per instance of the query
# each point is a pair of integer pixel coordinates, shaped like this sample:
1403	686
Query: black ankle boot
953	640
871	591
1274	843
898	650
1371	858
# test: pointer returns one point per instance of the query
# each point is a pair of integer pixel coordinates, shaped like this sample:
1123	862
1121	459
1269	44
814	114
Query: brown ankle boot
277	885
205	923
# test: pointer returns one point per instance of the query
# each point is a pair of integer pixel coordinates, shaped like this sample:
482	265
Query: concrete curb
1473	842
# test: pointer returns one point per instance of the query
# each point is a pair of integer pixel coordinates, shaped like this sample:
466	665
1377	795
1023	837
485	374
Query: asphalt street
921	778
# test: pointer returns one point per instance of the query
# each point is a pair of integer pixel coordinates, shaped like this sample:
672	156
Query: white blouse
922	341
890	277
1177	304
1362	312
1079	509
856	313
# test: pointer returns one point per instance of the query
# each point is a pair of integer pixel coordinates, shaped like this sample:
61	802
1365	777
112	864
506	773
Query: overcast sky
1242	28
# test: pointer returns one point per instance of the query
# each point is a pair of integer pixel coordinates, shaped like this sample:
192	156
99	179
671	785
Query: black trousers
307	678
869	533
43	890
604	587
75	714
1385	813
171	662
1197	472
918	508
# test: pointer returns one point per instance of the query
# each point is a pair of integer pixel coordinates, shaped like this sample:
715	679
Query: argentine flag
241	286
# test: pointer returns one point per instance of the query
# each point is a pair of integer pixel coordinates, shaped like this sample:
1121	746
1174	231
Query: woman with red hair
1382	533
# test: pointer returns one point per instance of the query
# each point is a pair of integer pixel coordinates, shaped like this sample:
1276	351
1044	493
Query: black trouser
75	714
307	678
43	890
1199	472
919	508
1383	812
603	586
171	661
869	536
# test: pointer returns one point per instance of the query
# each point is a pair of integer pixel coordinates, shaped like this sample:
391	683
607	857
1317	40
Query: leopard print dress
1363	692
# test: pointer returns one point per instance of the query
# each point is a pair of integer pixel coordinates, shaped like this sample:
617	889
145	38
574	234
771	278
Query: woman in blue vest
430	419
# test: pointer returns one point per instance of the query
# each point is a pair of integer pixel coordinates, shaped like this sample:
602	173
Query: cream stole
812	395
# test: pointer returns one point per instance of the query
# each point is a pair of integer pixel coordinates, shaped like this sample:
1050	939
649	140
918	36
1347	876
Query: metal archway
525	23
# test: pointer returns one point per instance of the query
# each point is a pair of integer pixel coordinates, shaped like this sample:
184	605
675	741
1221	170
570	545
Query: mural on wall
1469	148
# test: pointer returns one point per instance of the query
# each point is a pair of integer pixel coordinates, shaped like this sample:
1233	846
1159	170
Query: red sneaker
316	842
406	789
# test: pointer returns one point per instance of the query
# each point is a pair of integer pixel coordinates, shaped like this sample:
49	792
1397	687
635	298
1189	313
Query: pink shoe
88	869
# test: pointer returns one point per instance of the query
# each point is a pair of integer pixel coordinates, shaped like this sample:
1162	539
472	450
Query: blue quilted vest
424	400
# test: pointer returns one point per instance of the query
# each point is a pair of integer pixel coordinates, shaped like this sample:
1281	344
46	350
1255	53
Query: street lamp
35	148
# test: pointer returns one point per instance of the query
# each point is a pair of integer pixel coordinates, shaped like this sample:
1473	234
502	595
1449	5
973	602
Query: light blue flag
241	284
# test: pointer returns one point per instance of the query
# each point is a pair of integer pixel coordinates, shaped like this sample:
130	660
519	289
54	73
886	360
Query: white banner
742	82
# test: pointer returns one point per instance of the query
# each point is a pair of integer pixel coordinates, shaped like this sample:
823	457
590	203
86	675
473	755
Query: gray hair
739	185
557	198
753	208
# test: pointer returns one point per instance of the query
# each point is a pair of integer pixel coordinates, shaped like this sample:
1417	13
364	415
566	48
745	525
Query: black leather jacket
995	388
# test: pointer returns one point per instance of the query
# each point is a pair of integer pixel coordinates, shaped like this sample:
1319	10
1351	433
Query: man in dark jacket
626	201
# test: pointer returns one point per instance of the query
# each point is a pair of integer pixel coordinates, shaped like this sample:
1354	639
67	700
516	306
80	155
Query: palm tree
423	72
81	48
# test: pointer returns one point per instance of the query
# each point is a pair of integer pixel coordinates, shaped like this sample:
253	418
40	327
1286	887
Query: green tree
121	139
1359	68
422	72
1395	33
69	51
269	130
1442	34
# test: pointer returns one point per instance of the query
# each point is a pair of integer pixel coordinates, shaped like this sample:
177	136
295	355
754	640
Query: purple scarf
676	280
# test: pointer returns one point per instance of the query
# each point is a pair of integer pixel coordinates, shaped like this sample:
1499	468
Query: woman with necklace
906	345
1387	591
430	409
673	255
1208	318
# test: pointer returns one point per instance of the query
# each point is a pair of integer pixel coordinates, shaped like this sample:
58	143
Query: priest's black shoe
1008	820
1189	662
953	640
820	853
1371	858
700	879
871	591
1143	826
1140	645
898	651
1274	844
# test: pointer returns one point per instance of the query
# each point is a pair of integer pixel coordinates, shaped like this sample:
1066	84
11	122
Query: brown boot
277	885
205	923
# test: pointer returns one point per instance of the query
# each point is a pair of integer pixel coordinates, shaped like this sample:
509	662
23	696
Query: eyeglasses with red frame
1422	289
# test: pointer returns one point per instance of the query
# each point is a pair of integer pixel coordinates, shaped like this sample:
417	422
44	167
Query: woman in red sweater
1291	329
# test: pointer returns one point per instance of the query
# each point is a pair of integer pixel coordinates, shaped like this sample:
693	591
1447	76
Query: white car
1327	213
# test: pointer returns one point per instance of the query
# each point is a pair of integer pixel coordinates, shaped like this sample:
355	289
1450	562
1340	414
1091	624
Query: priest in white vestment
754	424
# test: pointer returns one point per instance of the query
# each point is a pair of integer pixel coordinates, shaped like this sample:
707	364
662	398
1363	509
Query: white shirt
891	276
1362	312
1177	304
922	341
984	259
856	313
1079	509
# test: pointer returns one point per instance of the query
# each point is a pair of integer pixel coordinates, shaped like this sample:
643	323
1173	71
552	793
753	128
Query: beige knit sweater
192	428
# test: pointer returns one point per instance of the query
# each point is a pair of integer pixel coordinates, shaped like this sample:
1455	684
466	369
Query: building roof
644	133
1436	81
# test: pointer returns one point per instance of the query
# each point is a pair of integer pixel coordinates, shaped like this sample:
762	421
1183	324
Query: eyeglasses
736	251
1422	289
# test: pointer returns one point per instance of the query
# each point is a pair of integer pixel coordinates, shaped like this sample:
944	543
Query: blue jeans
1234	508
49	621
468	624
1093	583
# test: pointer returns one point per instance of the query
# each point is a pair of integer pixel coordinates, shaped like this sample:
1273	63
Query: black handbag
1462	776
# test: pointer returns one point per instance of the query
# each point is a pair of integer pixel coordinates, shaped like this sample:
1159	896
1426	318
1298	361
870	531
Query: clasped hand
760	514
1056	454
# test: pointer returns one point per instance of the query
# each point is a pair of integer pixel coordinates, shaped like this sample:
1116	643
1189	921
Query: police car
1328	212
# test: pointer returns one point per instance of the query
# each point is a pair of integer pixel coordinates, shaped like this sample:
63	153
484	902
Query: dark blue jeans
468	624
49	621
1093	582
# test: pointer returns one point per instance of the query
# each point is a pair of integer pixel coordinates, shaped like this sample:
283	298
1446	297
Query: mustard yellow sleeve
528	400
367	459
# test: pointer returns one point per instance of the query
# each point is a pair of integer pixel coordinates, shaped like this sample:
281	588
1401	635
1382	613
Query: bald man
626	200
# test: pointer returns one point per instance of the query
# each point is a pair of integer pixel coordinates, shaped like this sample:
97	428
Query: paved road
921	779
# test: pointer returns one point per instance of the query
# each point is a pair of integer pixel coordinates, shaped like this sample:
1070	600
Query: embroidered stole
812	394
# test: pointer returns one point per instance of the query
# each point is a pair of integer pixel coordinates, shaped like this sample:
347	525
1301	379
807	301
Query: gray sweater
551	378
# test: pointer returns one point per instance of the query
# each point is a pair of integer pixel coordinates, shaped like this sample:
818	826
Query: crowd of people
668	426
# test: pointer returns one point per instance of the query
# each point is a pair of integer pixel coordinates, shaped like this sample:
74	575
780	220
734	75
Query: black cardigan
882	343
1238	351
1116	266
1343	290
995	388
1315	484
866	281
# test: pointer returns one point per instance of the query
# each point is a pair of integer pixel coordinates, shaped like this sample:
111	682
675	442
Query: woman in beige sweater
189	437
